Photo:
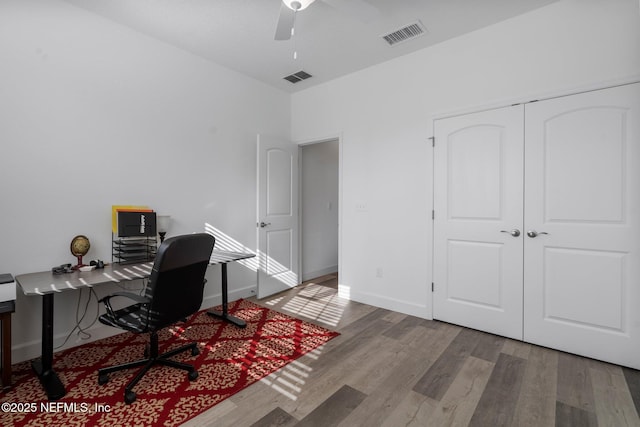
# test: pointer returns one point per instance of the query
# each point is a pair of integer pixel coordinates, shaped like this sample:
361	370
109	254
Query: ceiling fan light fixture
297	4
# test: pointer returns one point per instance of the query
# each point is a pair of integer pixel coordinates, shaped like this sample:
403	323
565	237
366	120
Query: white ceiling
331	42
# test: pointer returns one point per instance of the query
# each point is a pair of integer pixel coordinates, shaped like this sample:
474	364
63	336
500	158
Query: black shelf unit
129	250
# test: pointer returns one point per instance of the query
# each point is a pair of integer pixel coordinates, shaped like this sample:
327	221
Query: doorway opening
319	176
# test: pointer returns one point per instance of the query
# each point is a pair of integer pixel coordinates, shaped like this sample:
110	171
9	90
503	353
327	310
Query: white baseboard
411	308
313	274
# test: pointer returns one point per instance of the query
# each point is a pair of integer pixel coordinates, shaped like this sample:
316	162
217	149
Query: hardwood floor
390	369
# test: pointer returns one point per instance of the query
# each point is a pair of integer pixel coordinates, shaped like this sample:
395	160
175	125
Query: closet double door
537	223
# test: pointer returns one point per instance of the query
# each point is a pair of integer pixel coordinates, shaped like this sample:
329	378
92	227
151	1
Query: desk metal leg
44	367
224	314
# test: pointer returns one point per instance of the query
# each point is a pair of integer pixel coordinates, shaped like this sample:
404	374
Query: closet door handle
515	232
534	233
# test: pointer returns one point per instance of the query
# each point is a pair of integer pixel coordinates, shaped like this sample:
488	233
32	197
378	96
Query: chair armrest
134	297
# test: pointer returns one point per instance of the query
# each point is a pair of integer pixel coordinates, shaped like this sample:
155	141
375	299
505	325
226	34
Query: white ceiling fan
357	9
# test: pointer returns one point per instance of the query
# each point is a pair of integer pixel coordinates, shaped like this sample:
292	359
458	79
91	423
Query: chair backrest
176	284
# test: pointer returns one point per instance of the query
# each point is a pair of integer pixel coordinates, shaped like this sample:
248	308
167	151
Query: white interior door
478	175
277	219
582	279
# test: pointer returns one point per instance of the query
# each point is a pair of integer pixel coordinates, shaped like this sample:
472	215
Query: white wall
384	115
93	114
319	203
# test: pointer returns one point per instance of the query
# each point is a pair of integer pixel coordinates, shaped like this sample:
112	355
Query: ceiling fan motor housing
297	4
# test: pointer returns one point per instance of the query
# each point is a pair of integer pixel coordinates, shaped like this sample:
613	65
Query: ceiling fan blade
285	23
355	9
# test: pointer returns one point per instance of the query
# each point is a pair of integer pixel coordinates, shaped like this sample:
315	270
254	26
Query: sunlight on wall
268	265
224	242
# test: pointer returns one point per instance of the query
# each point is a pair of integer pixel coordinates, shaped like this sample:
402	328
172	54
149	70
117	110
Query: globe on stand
79	247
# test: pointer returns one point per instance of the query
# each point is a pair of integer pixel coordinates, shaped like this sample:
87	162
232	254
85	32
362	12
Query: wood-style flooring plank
263	398
497	405
614	405
412	411
439	377
632	378
517	348
367	373
334	409
570	416
537	401
459	403
574	382
399	375
276	418
403	327
489	347
381	356
351	363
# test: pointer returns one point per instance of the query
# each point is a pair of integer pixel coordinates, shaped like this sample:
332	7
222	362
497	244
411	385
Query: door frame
301	144
536	96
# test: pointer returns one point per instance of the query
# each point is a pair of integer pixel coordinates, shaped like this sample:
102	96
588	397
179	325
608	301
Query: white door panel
478	195
578	177
582	186
277	215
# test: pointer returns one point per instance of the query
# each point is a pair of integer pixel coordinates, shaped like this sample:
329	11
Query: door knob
515	232
534	233
264	224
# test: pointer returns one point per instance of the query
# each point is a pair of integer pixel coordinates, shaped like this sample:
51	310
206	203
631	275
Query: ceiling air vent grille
405	33
298	77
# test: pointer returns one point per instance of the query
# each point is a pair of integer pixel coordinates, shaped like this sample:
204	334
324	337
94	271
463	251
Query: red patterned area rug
230	359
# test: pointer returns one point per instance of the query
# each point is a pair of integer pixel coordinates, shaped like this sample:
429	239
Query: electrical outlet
379	272
361	207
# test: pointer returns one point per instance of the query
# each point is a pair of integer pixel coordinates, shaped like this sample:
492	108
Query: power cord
82	330
82	333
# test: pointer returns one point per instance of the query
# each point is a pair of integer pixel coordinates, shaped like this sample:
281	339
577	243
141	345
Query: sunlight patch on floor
318	303
289	380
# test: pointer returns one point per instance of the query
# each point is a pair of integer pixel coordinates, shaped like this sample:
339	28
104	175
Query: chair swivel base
153	359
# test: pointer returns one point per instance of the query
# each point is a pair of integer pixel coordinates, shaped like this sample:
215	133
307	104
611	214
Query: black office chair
173	293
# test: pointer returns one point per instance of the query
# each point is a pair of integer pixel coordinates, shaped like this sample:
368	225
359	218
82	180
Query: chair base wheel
193	375
129	397
103	379
195	351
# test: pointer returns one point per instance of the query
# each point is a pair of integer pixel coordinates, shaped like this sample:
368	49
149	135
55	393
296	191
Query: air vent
298	77
405	33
